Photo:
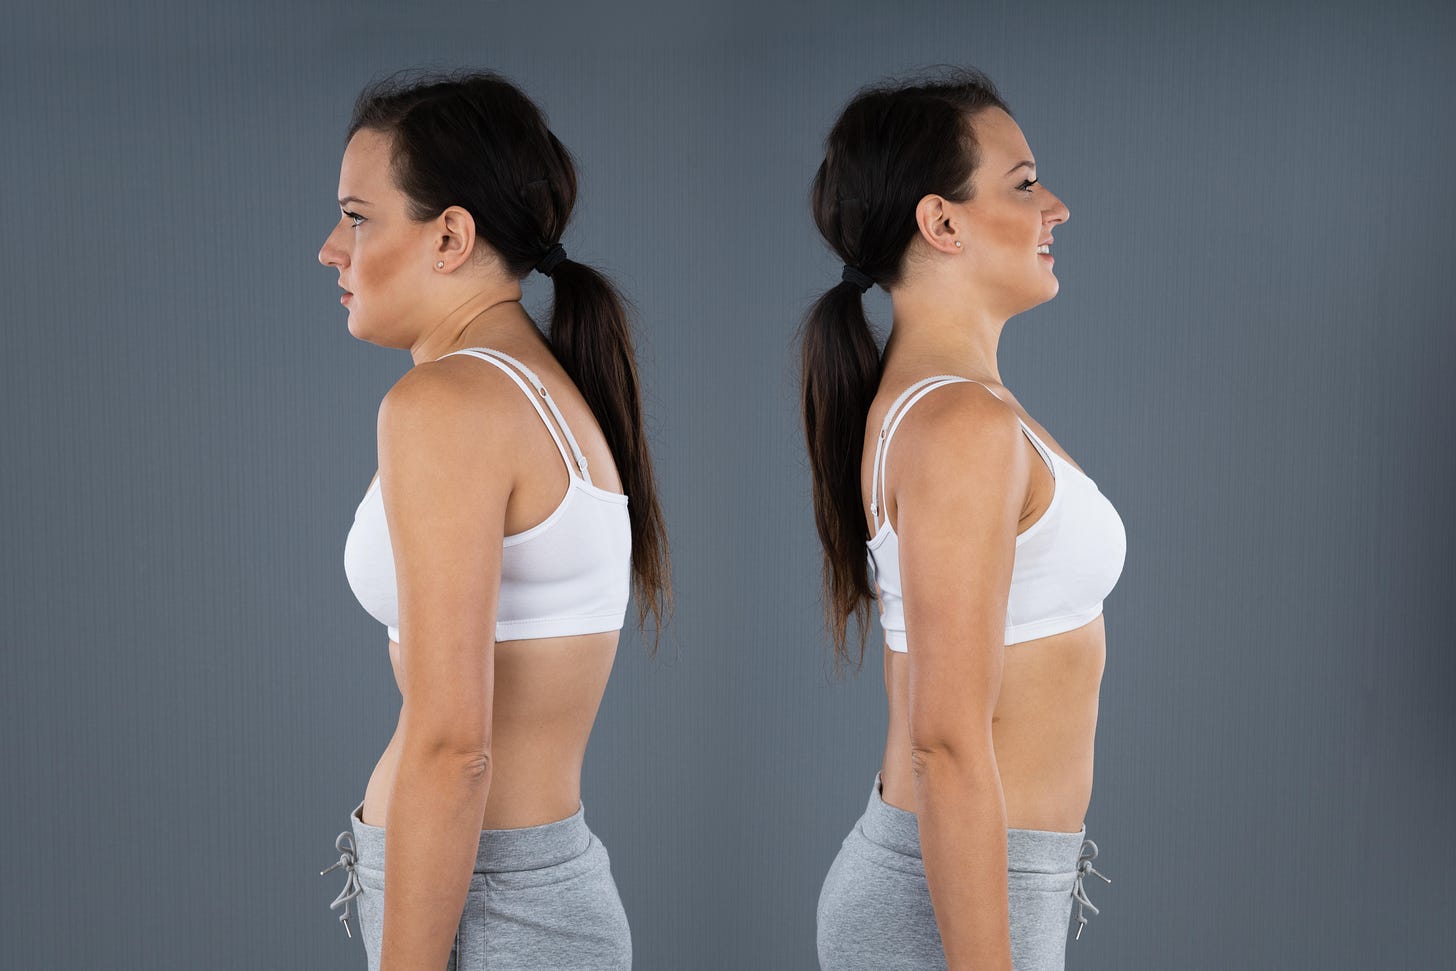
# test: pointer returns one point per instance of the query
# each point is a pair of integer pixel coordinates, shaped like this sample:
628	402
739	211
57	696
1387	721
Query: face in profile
1012	215
383	258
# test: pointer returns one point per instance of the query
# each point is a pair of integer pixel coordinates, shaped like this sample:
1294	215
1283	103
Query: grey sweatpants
540	897
874	908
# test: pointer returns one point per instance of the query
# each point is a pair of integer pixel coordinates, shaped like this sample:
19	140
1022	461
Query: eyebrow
1030	165
348	199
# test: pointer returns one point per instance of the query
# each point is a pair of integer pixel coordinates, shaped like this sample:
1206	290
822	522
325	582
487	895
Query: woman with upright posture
991	549
496	544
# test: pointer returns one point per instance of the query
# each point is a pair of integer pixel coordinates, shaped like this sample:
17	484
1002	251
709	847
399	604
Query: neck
940	335
482	319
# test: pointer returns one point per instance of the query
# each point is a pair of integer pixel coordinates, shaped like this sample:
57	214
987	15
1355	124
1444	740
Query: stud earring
958	242
440	264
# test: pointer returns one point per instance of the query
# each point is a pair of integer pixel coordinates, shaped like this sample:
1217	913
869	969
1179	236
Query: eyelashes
1026	186
353	215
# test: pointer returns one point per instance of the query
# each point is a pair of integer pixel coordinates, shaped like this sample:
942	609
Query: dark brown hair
472	139
895	142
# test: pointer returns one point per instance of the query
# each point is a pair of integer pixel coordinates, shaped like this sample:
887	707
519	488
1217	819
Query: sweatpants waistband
499	850
1027	850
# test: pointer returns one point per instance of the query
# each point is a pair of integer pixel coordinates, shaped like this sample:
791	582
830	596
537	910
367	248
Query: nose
1058	213
331	254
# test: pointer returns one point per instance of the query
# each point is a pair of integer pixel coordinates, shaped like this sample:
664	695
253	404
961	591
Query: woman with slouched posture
991	549
496	544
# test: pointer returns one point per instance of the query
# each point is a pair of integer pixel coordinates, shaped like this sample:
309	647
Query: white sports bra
1066	562
571	573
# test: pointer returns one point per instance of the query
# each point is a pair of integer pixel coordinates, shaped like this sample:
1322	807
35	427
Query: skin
981	736
490	735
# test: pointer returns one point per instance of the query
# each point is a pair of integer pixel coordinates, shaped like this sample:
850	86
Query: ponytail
894	143
840	374
473	139
591	339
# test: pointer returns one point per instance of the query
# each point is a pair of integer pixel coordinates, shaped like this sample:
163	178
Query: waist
527	788
1028	850
1043	729
499	850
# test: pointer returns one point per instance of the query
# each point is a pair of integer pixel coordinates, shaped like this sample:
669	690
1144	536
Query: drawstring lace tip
1079	893
344	843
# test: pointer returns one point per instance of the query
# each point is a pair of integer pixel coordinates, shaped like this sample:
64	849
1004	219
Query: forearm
962	820
432	834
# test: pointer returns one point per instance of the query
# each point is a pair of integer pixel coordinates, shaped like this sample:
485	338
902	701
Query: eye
1026	186
353	215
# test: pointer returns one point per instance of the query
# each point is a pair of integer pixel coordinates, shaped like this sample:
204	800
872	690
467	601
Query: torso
1046	713
547	689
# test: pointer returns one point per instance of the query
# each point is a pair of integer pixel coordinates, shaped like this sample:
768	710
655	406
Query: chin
1050	285
1044	295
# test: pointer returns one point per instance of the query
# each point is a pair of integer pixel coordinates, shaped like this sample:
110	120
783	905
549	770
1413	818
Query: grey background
1251	352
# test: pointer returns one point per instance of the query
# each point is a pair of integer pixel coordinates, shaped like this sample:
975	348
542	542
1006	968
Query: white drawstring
352	886
1084	866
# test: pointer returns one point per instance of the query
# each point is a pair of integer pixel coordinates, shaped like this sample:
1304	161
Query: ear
939	225
454	237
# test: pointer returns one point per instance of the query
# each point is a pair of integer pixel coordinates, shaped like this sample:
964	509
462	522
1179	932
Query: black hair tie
551	260
853	274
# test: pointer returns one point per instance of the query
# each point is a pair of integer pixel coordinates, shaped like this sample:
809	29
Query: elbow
477	765
451	738
472	760
936	757
472	767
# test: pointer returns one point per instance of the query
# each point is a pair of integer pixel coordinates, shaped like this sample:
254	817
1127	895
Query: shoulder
451	410
458	390
449	383
959	427
957	458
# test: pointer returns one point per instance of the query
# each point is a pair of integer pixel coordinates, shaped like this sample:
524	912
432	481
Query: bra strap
1036	443
488	354
887	432
1045	452
551	403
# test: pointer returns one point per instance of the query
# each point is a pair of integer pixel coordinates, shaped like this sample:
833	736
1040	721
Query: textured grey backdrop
1251	352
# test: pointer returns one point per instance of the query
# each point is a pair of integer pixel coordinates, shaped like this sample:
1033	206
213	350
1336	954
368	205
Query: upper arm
445	492
962	475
